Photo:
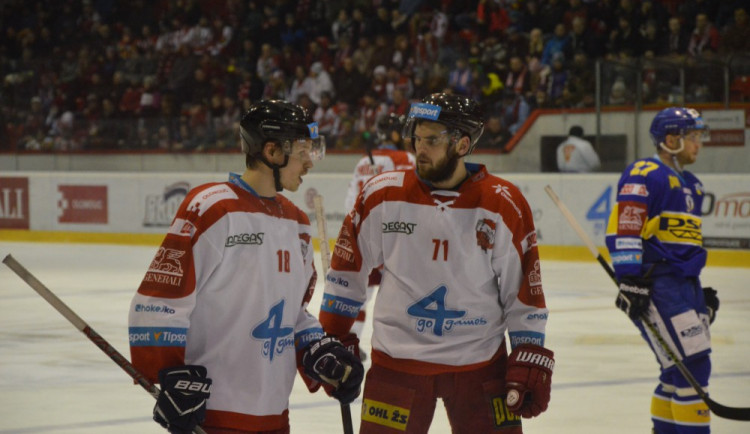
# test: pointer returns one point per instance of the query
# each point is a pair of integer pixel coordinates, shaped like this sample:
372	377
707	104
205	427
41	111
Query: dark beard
443	171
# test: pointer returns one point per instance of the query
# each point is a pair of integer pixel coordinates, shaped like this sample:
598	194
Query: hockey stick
84	328
368	149
320	218
734	413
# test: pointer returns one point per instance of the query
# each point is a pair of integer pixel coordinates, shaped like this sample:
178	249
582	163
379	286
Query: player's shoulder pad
203	197
383	181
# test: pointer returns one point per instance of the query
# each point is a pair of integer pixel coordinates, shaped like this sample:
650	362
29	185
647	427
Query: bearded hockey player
460	265
220	319
655	241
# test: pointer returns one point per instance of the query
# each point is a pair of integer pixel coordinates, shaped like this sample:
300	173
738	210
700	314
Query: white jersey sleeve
383	160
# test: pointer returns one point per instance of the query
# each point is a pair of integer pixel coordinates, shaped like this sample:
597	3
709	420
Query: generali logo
82	204
14	203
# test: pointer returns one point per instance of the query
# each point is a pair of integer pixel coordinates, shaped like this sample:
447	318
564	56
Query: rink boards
136	208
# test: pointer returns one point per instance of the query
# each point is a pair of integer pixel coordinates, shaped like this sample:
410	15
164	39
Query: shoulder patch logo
166	267
634	189
167	261
631	219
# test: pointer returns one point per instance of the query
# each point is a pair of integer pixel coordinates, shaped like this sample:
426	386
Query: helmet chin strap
276	170
673	152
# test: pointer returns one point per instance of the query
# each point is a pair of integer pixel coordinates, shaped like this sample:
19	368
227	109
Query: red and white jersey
228	289
385	160
460	268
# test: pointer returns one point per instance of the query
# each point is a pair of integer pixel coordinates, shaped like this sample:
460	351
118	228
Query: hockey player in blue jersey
655	241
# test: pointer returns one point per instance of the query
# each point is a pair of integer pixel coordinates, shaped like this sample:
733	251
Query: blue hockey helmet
675	121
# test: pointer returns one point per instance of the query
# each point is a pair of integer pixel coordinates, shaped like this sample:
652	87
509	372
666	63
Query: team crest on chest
486	234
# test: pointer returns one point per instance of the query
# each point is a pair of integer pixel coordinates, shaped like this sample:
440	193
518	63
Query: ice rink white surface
54	380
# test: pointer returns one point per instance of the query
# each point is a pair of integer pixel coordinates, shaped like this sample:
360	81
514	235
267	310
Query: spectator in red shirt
705	37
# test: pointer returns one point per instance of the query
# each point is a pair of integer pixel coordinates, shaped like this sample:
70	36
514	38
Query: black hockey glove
181	404
712	303
634	296
329	362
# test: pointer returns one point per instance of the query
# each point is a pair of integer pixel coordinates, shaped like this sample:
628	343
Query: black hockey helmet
388	124
281	122
454	111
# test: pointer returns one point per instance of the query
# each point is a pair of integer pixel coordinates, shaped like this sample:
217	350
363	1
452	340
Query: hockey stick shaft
84	328
370	157
320	218
579	230
735	413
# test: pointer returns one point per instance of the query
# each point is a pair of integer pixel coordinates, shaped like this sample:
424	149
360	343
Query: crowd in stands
178	74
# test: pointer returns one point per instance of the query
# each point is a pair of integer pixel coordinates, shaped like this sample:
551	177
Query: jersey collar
237	180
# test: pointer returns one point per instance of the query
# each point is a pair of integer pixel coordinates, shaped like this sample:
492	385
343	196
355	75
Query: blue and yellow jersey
656	219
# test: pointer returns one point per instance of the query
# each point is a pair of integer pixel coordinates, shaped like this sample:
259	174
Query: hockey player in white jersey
389	155
220	320
460	263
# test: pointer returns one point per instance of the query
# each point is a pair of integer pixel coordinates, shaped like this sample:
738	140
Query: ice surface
54	380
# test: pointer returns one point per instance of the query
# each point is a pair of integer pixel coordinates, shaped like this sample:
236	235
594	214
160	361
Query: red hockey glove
528	379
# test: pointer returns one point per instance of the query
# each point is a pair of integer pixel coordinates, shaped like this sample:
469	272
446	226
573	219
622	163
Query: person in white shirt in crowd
321	82
576	154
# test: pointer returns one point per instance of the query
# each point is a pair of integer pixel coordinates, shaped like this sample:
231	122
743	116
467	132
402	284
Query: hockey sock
661	409
691	414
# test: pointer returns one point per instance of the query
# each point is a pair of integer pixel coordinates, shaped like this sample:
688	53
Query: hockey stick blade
320	218
734	413
84	328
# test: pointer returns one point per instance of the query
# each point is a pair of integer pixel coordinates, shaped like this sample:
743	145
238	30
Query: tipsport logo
340	305
275	337
439	319
425	111
526	337
313	129
157	336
